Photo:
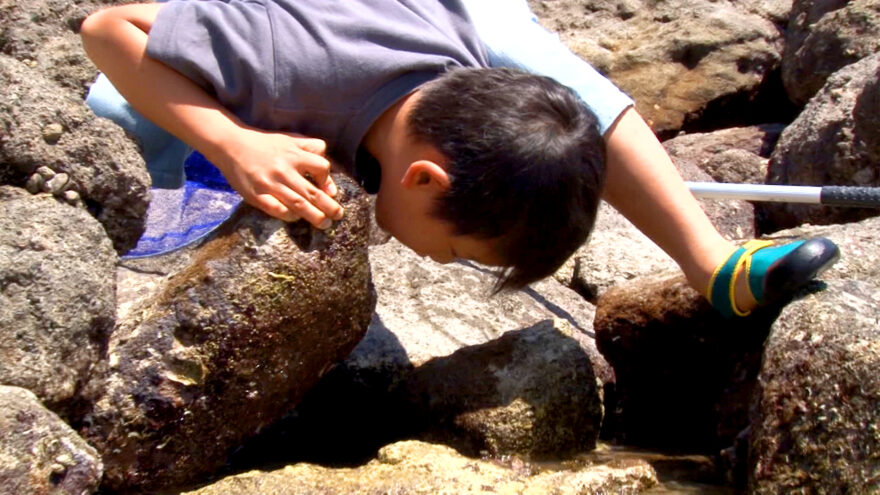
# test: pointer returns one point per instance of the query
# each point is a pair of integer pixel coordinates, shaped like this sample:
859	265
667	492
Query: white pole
756	192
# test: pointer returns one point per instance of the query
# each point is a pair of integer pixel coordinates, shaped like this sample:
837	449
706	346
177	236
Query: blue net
180	217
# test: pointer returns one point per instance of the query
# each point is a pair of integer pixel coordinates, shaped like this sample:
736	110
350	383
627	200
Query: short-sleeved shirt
322	68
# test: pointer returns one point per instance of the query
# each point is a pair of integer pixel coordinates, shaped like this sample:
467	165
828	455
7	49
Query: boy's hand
285	175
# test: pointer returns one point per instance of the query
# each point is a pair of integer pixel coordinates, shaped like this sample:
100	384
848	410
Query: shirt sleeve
513	38
224	46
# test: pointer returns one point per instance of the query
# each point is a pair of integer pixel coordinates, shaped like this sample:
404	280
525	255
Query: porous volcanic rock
426	315
57	295
816	422
39	452
834	141
229	344
824	36
733	155
672	57
104	166
675	359
418	468
531	392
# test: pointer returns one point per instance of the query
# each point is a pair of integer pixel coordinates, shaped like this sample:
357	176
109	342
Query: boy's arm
271	170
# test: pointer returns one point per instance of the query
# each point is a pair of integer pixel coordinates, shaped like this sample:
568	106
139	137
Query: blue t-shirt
323	68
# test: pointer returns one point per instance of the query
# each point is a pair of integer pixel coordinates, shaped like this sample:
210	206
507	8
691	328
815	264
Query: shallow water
678	474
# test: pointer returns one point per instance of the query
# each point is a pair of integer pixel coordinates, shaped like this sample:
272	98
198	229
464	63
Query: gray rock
39	453
229	344
43	34
834	141
57	299
672	57
617	252
603	262
823	36
426	312
816	426
734	155
531	392
103	165
417	468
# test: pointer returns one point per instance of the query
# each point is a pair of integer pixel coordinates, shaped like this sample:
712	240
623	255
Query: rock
44	34
816	427
411	468
39	453
734	155
824	36
57	299
668	348
617	252
672	57
427	312
603	262
103	165
531	392
834	141
229	344
676	360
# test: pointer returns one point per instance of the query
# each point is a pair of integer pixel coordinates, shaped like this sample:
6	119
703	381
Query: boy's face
409	220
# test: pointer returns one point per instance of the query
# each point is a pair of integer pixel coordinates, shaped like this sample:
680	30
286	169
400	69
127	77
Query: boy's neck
388	140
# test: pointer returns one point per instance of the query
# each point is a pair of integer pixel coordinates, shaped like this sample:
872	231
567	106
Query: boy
370	79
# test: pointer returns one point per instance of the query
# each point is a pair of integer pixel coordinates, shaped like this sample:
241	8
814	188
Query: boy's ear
427	174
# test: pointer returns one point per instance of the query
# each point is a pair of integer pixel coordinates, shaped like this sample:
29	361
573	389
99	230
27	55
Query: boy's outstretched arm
271	170
645	186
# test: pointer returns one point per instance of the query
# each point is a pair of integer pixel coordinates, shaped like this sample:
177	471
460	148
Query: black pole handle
864	197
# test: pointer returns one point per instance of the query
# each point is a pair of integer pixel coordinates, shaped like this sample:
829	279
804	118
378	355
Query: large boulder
229	344
834	141
672	57
824	36
816	423
57	296
682	370
39	453
43	124
417	468
685	375
438	324
531	392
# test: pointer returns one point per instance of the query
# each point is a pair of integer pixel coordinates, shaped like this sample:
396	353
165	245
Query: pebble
53	132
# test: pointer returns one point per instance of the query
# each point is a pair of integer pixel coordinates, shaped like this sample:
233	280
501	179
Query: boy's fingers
274	208
312	145
311	204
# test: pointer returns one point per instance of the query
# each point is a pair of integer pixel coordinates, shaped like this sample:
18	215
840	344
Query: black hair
526	161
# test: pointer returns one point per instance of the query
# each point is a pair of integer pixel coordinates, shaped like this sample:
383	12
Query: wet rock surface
228	345
531	392
410	468
57	296
437	322
39	452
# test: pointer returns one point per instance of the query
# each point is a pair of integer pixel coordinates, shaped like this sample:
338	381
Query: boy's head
522	169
